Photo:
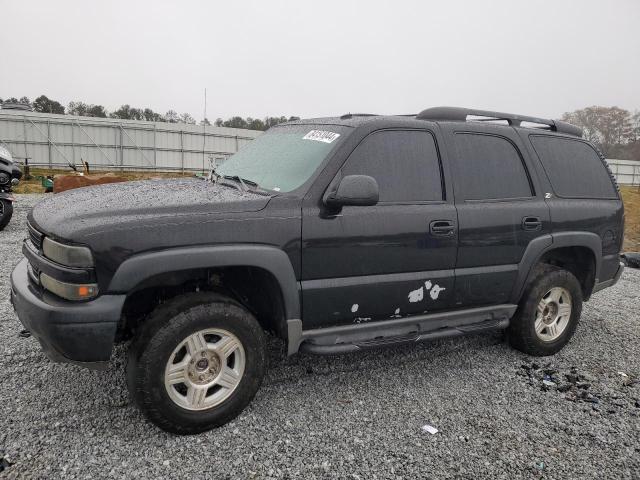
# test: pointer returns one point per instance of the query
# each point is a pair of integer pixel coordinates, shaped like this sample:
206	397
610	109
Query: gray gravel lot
355	416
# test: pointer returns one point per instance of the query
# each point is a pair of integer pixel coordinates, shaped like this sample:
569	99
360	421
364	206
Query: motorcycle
10	175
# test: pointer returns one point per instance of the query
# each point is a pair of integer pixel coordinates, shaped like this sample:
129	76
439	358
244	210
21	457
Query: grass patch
631	199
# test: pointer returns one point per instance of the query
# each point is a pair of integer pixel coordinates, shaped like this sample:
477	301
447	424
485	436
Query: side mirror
353	190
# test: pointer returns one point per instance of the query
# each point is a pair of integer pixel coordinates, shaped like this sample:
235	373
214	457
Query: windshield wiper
241	181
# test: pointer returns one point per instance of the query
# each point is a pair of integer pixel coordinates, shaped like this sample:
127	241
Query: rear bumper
71	332
607	283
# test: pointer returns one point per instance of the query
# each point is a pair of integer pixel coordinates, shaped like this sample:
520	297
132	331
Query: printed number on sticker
321	136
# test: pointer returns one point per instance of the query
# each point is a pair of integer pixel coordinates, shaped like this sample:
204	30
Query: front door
389	260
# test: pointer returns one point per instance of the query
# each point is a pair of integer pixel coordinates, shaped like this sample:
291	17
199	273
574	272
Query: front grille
35	236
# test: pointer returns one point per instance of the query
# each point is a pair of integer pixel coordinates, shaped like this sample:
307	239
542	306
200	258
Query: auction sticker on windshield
321	136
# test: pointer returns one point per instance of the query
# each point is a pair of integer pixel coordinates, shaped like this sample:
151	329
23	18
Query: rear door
585	198
500	210
392	259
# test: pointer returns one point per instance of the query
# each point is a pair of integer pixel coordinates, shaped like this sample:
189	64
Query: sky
321	58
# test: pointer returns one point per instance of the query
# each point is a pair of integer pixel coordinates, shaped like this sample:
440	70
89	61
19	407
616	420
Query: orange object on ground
62	183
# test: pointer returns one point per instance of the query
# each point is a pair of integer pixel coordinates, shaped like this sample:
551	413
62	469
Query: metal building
55	141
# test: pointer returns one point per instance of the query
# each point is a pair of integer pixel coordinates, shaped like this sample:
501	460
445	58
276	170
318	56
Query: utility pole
204	129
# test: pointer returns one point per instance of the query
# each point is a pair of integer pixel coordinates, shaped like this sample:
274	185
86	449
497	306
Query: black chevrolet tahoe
335	235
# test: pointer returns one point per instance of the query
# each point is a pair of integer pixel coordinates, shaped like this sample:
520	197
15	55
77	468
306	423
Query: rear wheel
6	212
548	313
196	363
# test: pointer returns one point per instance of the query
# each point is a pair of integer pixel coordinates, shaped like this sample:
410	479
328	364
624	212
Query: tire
556	287
219	319
6	212
631	259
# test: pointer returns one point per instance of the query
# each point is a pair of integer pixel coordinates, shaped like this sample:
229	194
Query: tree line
614	130
43	104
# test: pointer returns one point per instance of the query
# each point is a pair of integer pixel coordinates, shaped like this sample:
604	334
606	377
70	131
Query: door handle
531	223
442	228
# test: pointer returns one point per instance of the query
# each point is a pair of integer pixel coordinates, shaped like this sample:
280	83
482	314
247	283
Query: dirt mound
62	183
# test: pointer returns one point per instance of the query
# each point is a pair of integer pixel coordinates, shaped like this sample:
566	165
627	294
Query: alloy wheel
204	369
553	314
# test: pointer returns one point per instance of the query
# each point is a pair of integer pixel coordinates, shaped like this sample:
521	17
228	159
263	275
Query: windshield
285	157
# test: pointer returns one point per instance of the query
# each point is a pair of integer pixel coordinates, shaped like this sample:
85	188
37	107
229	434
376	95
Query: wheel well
255	288
580	261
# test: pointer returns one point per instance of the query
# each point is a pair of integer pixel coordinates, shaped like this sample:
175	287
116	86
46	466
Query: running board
418	328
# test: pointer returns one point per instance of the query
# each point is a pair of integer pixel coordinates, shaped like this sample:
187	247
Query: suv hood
76	213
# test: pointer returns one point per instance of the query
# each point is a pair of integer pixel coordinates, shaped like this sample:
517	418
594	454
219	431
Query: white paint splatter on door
416	295
435	291
361	319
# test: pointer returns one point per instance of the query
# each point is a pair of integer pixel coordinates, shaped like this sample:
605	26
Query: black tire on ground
163	331
631	259
521	332
6	212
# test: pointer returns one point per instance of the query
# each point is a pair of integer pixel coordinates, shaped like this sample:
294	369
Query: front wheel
196	363
6	212
548	313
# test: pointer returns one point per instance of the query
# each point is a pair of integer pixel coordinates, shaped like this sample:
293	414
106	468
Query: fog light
69	291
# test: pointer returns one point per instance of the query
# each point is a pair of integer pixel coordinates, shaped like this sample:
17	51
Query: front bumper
71	332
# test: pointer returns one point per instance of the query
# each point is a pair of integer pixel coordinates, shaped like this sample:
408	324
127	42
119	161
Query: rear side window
404	163
488	167
574	168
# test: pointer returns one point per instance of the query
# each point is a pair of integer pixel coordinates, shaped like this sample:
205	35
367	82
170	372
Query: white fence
55	141
627	172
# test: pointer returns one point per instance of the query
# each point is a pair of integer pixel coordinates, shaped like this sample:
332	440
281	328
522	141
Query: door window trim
522	161
596	151
443	190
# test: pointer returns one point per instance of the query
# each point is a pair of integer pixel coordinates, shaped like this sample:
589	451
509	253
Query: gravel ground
500	413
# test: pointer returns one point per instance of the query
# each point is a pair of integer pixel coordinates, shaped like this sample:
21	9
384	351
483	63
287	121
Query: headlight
67	255
4	178
15	181
69	291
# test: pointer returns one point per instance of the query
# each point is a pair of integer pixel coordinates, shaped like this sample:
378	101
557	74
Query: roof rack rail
457	114
346	116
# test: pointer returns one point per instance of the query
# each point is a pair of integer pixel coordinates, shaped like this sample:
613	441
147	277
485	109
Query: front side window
286	156
404	163
488	167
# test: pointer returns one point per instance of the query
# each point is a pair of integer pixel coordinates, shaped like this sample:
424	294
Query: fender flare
9	196
142	266
545	243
